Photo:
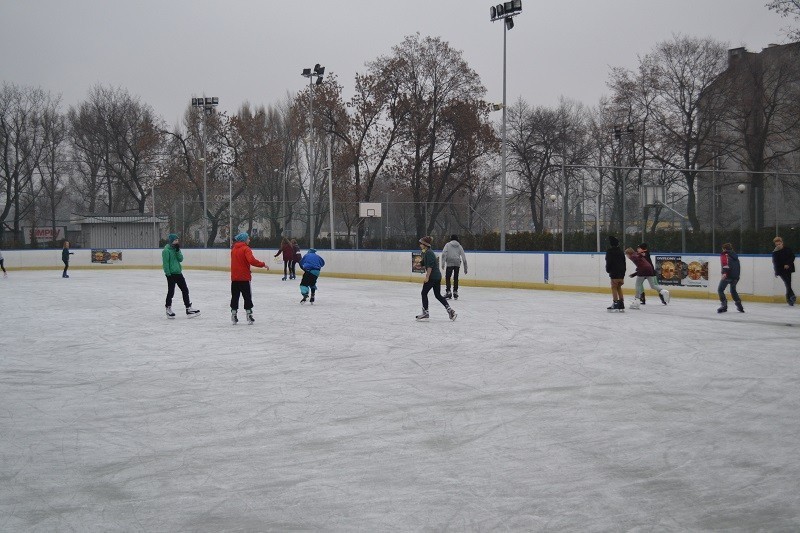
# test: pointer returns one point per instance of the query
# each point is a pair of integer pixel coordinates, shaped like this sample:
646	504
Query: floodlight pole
317	72
505	12
207	104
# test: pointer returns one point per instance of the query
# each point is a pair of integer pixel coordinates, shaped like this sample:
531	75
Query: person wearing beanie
644	272
312	264
433	280
782	262
615	266
288	255
731	270
241	259
171	259
452	255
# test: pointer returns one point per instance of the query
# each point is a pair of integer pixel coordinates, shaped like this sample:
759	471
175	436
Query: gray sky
166	51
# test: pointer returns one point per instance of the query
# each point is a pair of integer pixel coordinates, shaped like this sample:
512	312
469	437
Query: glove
632	275
177	247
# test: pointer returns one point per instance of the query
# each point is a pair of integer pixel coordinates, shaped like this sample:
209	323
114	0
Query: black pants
786	276
309	281
241	288
292	264
286	269
1	265
66	267
721	291
454	272
436	285
180	281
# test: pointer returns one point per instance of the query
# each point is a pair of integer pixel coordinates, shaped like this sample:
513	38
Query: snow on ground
535	410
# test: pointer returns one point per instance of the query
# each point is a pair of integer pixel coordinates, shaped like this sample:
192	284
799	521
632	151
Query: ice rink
534	411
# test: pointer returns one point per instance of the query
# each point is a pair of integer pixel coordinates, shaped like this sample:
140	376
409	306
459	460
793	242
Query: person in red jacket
241	259
288	255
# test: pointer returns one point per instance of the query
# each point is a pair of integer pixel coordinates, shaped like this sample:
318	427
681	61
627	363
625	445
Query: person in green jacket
171	259
433	280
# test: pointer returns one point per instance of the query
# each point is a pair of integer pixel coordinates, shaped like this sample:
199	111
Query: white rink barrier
571	271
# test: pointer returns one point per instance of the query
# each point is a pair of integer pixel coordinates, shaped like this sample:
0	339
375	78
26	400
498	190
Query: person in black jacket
615	266
730	277
783	262
65	253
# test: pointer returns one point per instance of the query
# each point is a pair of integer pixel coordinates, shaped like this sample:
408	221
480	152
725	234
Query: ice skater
452	255
288	255
644	251
65	253
782	262
433	280
171	259
731	270
312	264
644	272
295	259
241	259
615	266
5	274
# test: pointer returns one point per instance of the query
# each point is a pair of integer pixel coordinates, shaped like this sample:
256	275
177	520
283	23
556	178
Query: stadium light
318	72
504	12
207	104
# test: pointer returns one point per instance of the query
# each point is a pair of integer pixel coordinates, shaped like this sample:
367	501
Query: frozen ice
534	411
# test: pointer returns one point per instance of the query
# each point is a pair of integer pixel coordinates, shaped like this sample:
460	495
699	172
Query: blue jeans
721	291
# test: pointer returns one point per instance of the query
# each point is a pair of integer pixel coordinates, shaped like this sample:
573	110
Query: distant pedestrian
783	262
312	264
295	259
615	266
288	256
452	255
5	274
645	252
241	259
644	272
171	259
65	253
731	270
433	280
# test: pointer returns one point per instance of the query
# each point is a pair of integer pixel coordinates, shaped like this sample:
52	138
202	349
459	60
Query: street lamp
505	12
317	73
741	188
207	103
553	199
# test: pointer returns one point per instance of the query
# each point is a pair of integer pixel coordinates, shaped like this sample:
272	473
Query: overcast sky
166	51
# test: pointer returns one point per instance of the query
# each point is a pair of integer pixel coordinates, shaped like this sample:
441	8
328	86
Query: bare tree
54	166
788	9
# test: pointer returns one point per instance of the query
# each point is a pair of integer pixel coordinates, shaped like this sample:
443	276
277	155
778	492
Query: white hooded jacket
453	254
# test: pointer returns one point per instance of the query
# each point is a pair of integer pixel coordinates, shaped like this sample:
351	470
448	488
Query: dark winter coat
65	253
731	269
297	254
643	266
287	250
781	258
615	262
311	262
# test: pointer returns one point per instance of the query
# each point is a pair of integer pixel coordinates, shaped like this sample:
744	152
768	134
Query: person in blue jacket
311	264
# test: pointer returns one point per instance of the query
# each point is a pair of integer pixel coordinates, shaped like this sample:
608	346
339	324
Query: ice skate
451	313
723	309
634	303
170	314
305	297
192	312
423	315
250	319
234	317
791	300
448	295
664	295
311	300
739	307
643	299
283	278
617	307
455	295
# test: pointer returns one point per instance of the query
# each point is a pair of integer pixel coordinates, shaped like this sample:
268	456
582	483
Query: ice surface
535	410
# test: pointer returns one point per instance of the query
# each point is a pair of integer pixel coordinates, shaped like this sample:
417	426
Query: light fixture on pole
317	73
553	199
207	104
329	168
505	12
741	188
